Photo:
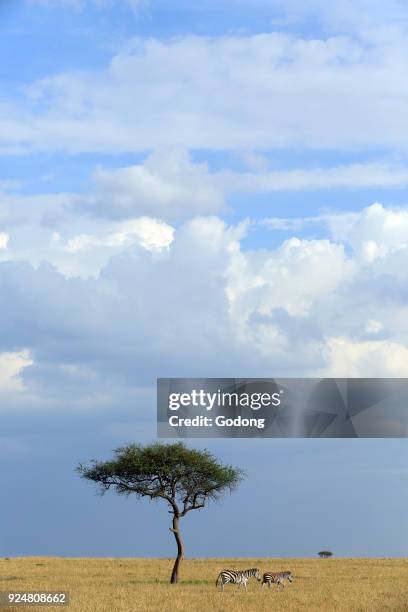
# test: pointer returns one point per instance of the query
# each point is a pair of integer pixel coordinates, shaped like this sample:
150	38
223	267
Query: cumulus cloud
286	278
373	326
4	238
206	306
378	232
375	232
166	185
57	228
366	359
11	367
151	234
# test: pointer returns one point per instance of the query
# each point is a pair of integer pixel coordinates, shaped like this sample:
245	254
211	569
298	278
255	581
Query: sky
213	188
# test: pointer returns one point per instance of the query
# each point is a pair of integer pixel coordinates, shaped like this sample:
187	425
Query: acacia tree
184	477
325	554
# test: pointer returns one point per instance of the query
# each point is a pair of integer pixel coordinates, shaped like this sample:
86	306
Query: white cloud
151	234
348	176
191	301
246	92
366	359
306	307
379	231
166	185
11	367
169	185
354	15
373	327
286	278
55	228
4	238
375	233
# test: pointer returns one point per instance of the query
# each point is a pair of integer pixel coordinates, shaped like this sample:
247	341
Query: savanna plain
104	585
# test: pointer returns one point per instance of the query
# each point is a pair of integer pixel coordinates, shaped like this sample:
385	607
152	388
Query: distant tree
325	554
184	477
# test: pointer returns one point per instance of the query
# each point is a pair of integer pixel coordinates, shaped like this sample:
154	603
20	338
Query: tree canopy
184	477
325	554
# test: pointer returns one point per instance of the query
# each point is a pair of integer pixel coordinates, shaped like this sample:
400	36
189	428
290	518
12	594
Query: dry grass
142	584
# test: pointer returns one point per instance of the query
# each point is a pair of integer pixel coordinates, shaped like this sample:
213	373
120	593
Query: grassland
105	585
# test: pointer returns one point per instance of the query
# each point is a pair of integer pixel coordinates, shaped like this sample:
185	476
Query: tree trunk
180	550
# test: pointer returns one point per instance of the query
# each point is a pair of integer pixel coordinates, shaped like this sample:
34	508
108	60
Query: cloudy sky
207	188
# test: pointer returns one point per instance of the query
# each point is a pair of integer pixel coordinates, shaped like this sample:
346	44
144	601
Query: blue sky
199	189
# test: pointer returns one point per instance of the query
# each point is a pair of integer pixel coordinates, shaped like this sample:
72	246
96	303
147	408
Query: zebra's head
289	576
257	575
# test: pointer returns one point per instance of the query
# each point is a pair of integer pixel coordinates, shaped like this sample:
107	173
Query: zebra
239	578
276	578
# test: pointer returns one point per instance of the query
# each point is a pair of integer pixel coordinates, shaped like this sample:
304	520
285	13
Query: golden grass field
97	585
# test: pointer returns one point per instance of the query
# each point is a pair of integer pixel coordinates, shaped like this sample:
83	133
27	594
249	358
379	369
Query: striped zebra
239	578
276	578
